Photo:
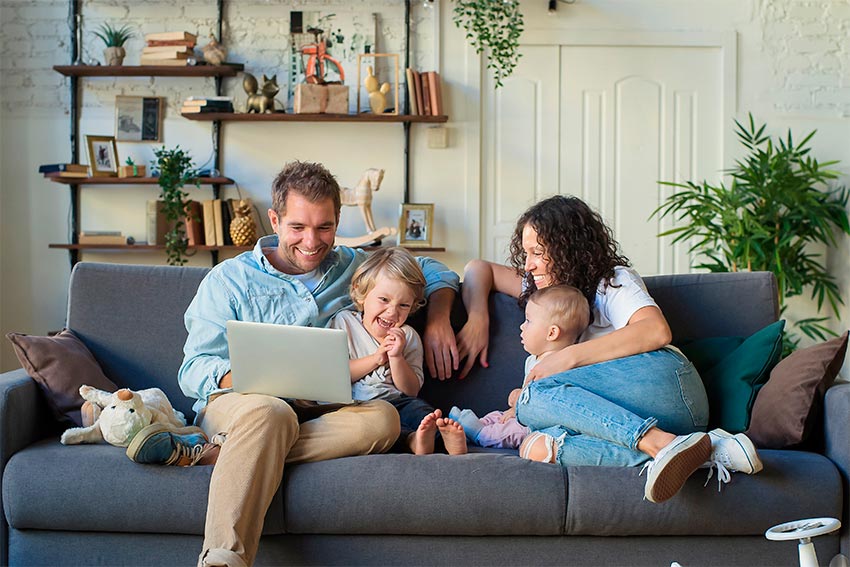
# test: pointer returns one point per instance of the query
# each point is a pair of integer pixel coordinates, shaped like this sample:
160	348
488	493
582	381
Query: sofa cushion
787	408
51	486
60	365
732	379
793	484
475	494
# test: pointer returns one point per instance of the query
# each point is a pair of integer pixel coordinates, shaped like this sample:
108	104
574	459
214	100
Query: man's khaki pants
262	432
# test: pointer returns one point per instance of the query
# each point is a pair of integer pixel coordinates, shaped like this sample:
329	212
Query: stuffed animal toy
116	418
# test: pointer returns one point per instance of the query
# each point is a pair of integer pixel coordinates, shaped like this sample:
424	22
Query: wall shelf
284	117
226	70
131	180
149	247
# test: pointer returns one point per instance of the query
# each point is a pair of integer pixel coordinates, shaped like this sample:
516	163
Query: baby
386	355
555	317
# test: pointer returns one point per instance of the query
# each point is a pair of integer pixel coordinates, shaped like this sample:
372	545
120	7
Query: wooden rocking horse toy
361	196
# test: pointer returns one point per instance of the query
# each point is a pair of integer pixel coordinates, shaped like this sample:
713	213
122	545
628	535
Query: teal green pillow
733	370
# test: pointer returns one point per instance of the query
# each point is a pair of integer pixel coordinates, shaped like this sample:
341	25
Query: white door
624	118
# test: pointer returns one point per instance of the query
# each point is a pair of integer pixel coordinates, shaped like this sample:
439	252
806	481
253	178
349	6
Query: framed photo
416	225
138	118
103	156
385	68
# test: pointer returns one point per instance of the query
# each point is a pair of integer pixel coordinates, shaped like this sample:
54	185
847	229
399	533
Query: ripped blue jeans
598	413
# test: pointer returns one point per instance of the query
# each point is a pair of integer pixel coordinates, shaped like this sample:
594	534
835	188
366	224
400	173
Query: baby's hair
566	306
396	263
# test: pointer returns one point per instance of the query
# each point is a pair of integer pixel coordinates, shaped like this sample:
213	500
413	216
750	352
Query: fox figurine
263	101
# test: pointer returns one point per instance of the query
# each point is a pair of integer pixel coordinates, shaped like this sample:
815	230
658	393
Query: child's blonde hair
398	264
566	306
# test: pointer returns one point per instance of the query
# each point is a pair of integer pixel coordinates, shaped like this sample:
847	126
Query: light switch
437	137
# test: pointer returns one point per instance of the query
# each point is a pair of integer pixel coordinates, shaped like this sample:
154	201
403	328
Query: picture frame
416	225
380	73
103	156
138	118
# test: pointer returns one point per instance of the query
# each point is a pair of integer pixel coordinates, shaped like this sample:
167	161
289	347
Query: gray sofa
90	505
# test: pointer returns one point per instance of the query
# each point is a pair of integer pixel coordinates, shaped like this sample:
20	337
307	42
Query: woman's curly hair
580	246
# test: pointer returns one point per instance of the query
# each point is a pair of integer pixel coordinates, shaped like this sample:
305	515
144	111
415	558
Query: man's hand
472	341
226	381
441	355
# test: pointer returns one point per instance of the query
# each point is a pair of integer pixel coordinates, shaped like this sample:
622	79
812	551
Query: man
293	277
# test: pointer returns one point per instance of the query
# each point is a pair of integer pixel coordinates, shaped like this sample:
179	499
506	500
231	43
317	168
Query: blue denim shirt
249	288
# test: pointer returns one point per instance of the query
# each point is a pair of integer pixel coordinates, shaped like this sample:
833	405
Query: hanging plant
175	172
492	27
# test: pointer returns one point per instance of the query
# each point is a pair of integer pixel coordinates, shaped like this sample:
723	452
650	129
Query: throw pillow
60	365
788	408
734	374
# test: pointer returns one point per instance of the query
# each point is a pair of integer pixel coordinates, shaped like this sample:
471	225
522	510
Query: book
420	105
171	36
166	49
219	227
157	225
118	239
209	222
221	98
166	62
78	174
226	217
165	56
411	91
207	102
100	233
171	43
57	167
436	94
205	109
194	224
426	94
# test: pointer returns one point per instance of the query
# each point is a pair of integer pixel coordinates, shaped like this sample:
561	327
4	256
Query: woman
621	395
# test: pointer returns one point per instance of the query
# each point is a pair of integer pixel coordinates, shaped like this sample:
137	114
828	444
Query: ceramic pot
114	55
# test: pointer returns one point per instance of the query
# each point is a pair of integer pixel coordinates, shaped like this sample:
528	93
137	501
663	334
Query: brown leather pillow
60	365
789	405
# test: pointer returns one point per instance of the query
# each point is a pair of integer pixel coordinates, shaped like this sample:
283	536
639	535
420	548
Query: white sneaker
674	464
735	452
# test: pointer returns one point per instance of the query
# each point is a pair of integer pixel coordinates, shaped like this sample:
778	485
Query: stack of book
425	92
64	170
208	222
168	48
110	237
203	104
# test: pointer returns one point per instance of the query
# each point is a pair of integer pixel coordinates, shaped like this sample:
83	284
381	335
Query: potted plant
175	171
775	208
494	27
114	39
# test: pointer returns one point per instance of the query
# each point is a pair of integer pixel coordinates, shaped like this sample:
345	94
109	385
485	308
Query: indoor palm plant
175	172
114	39
776	207
493	27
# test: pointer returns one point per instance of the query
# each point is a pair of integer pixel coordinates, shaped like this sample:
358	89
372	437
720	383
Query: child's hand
381	354
513	397
395	342
508	414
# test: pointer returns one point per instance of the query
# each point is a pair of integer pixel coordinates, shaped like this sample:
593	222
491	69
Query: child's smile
386	306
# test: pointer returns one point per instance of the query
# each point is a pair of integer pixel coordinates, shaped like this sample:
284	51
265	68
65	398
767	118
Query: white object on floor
804	531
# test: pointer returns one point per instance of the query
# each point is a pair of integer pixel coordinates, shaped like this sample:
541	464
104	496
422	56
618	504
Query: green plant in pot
114	39
773	216
493	27
175	172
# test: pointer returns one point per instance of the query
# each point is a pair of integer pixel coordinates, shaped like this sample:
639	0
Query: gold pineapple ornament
243	231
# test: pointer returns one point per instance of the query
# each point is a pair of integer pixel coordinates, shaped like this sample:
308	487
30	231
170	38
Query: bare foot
421	441
453	436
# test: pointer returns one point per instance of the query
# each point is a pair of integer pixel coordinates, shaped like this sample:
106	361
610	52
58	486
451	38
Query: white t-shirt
379	383
614	306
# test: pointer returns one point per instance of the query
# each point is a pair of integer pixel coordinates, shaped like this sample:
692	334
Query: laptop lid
289	361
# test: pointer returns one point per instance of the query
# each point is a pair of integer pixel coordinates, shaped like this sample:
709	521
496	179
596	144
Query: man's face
306	232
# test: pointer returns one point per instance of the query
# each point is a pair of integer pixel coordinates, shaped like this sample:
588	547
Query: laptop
288	361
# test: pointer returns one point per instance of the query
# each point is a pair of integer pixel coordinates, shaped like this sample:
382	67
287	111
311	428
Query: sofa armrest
24	419
837	447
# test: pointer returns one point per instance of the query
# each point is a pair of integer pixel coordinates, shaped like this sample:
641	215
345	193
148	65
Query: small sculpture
260	102
361	196
377	96
243	231
214	52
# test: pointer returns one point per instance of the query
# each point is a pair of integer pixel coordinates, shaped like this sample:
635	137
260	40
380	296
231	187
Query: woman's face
537	261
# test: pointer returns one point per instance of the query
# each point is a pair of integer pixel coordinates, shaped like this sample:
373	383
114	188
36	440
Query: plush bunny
121	415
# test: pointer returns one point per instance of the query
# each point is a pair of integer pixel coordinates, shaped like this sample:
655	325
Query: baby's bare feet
421	441
453	436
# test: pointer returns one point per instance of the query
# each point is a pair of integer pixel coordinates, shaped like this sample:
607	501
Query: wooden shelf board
150	247
284	117
226	70
130	180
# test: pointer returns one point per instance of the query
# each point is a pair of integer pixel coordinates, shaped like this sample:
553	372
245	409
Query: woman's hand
472	342
553	363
